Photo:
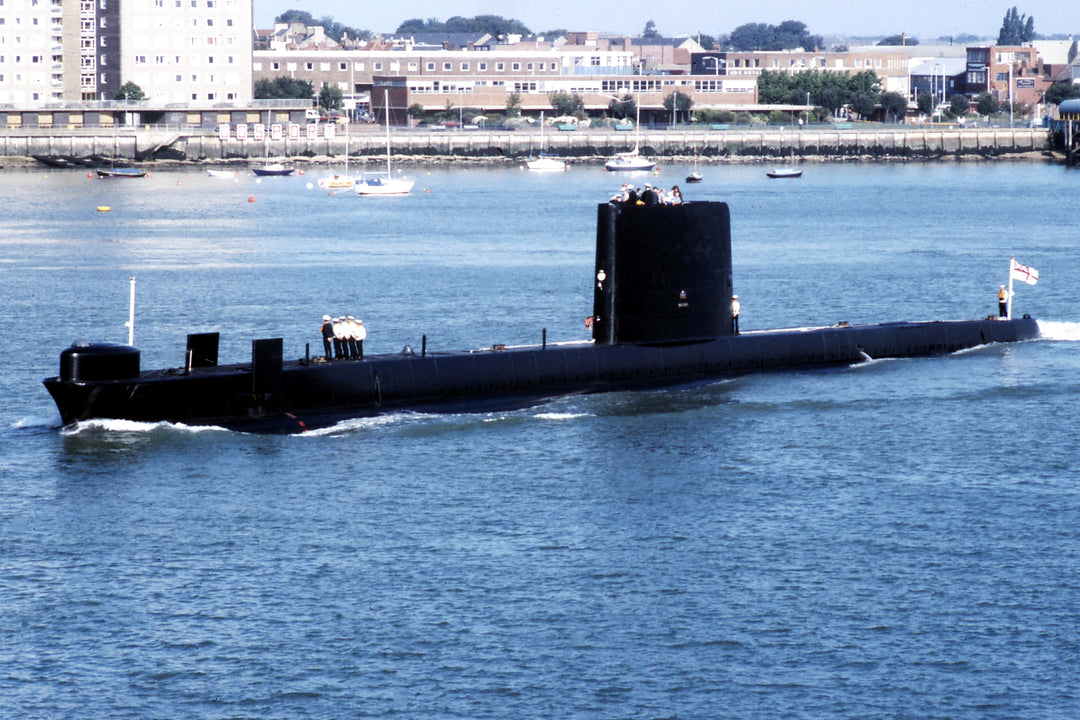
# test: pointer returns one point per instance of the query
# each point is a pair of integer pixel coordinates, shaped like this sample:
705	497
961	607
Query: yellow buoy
103	208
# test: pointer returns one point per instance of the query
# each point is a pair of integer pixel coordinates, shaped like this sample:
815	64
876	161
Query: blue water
895	540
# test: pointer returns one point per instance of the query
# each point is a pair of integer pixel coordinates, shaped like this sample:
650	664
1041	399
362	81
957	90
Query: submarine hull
662	315
289	397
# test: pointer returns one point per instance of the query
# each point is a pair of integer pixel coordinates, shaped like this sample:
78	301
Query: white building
67	51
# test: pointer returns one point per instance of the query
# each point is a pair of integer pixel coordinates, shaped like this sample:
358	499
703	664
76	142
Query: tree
566	103
649	33
1061	91
986	104
415	111
863	104
894	104
708	42
1016	29
787	35
129	91
513	105
899	40
283	87
333	29
959	105
679	104
926	103
491	24
624	108
330	97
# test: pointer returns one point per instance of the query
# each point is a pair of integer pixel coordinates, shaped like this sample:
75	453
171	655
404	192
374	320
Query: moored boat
121	172
272	169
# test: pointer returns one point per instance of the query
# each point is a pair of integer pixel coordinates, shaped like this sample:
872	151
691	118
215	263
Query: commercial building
71	51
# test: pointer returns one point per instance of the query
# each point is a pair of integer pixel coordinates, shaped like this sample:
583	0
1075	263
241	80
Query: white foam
1057	330
360	423
132	426
37	421
560	416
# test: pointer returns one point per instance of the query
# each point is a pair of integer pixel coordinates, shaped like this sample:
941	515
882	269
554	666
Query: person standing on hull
327	331
735	307
338	335
1003	302
350	336
360	332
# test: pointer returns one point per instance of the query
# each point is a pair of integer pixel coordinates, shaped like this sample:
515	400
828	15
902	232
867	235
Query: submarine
662	316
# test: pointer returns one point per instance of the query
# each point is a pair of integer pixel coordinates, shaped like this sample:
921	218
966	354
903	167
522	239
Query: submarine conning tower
663	273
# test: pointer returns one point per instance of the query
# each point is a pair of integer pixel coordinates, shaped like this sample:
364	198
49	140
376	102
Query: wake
1057	330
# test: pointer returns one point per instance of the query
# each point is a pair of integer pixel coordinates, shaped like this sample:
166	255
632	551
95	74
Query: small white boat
785	173
545	162
230	174
388	184
384	186
337	182
629	162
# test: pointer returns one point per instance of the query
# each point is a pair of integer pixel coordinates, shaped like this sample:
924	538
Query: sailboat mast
386	103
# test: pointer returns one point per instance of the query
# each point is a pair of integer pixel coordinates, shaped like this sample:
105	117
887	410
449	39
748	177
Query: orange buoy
251	198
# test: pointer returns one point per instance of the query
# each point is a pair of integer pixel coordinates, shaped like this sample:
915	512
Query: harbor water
898	539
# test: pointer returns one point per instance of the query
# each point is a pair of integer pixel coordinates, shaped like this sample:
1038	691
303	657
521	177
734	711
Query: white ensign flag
1022	272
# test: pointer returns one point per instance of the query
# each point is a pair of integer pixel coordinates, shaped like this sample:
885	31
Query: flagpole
1008	300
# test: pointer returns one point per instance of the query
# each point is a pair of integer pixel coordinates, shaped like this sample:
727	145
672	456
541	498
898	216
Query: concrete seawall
367	143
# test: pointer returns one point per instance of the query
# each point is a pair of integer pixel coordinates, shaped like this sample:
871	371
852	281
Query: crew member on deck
1003	302
360	332
327	331
339	330
735	313
350	337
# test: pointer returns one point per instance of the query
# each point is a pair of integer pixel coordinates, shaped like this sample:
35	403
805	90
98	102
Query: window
309	66
465	66
500	66
343	66
529	67
377	66
482	66
447	66
516	66
431	66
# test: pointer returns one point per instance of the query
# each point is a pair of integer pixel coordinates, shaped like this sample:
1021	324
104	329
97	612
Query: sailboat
631	161
119	172
543	162
388	185
791	171
269	168
342	181
694	176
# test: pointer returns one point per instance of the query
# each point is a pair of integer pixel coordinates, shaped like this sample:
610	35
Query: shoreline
373	163
152	146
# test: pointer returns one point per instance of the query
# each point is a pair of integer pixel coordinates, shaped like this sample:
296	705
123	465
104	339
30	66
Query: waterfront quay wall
368	143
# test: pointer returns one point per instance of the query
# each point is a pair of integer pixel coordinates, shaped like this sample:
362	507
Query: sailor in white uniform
340	347
360	332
